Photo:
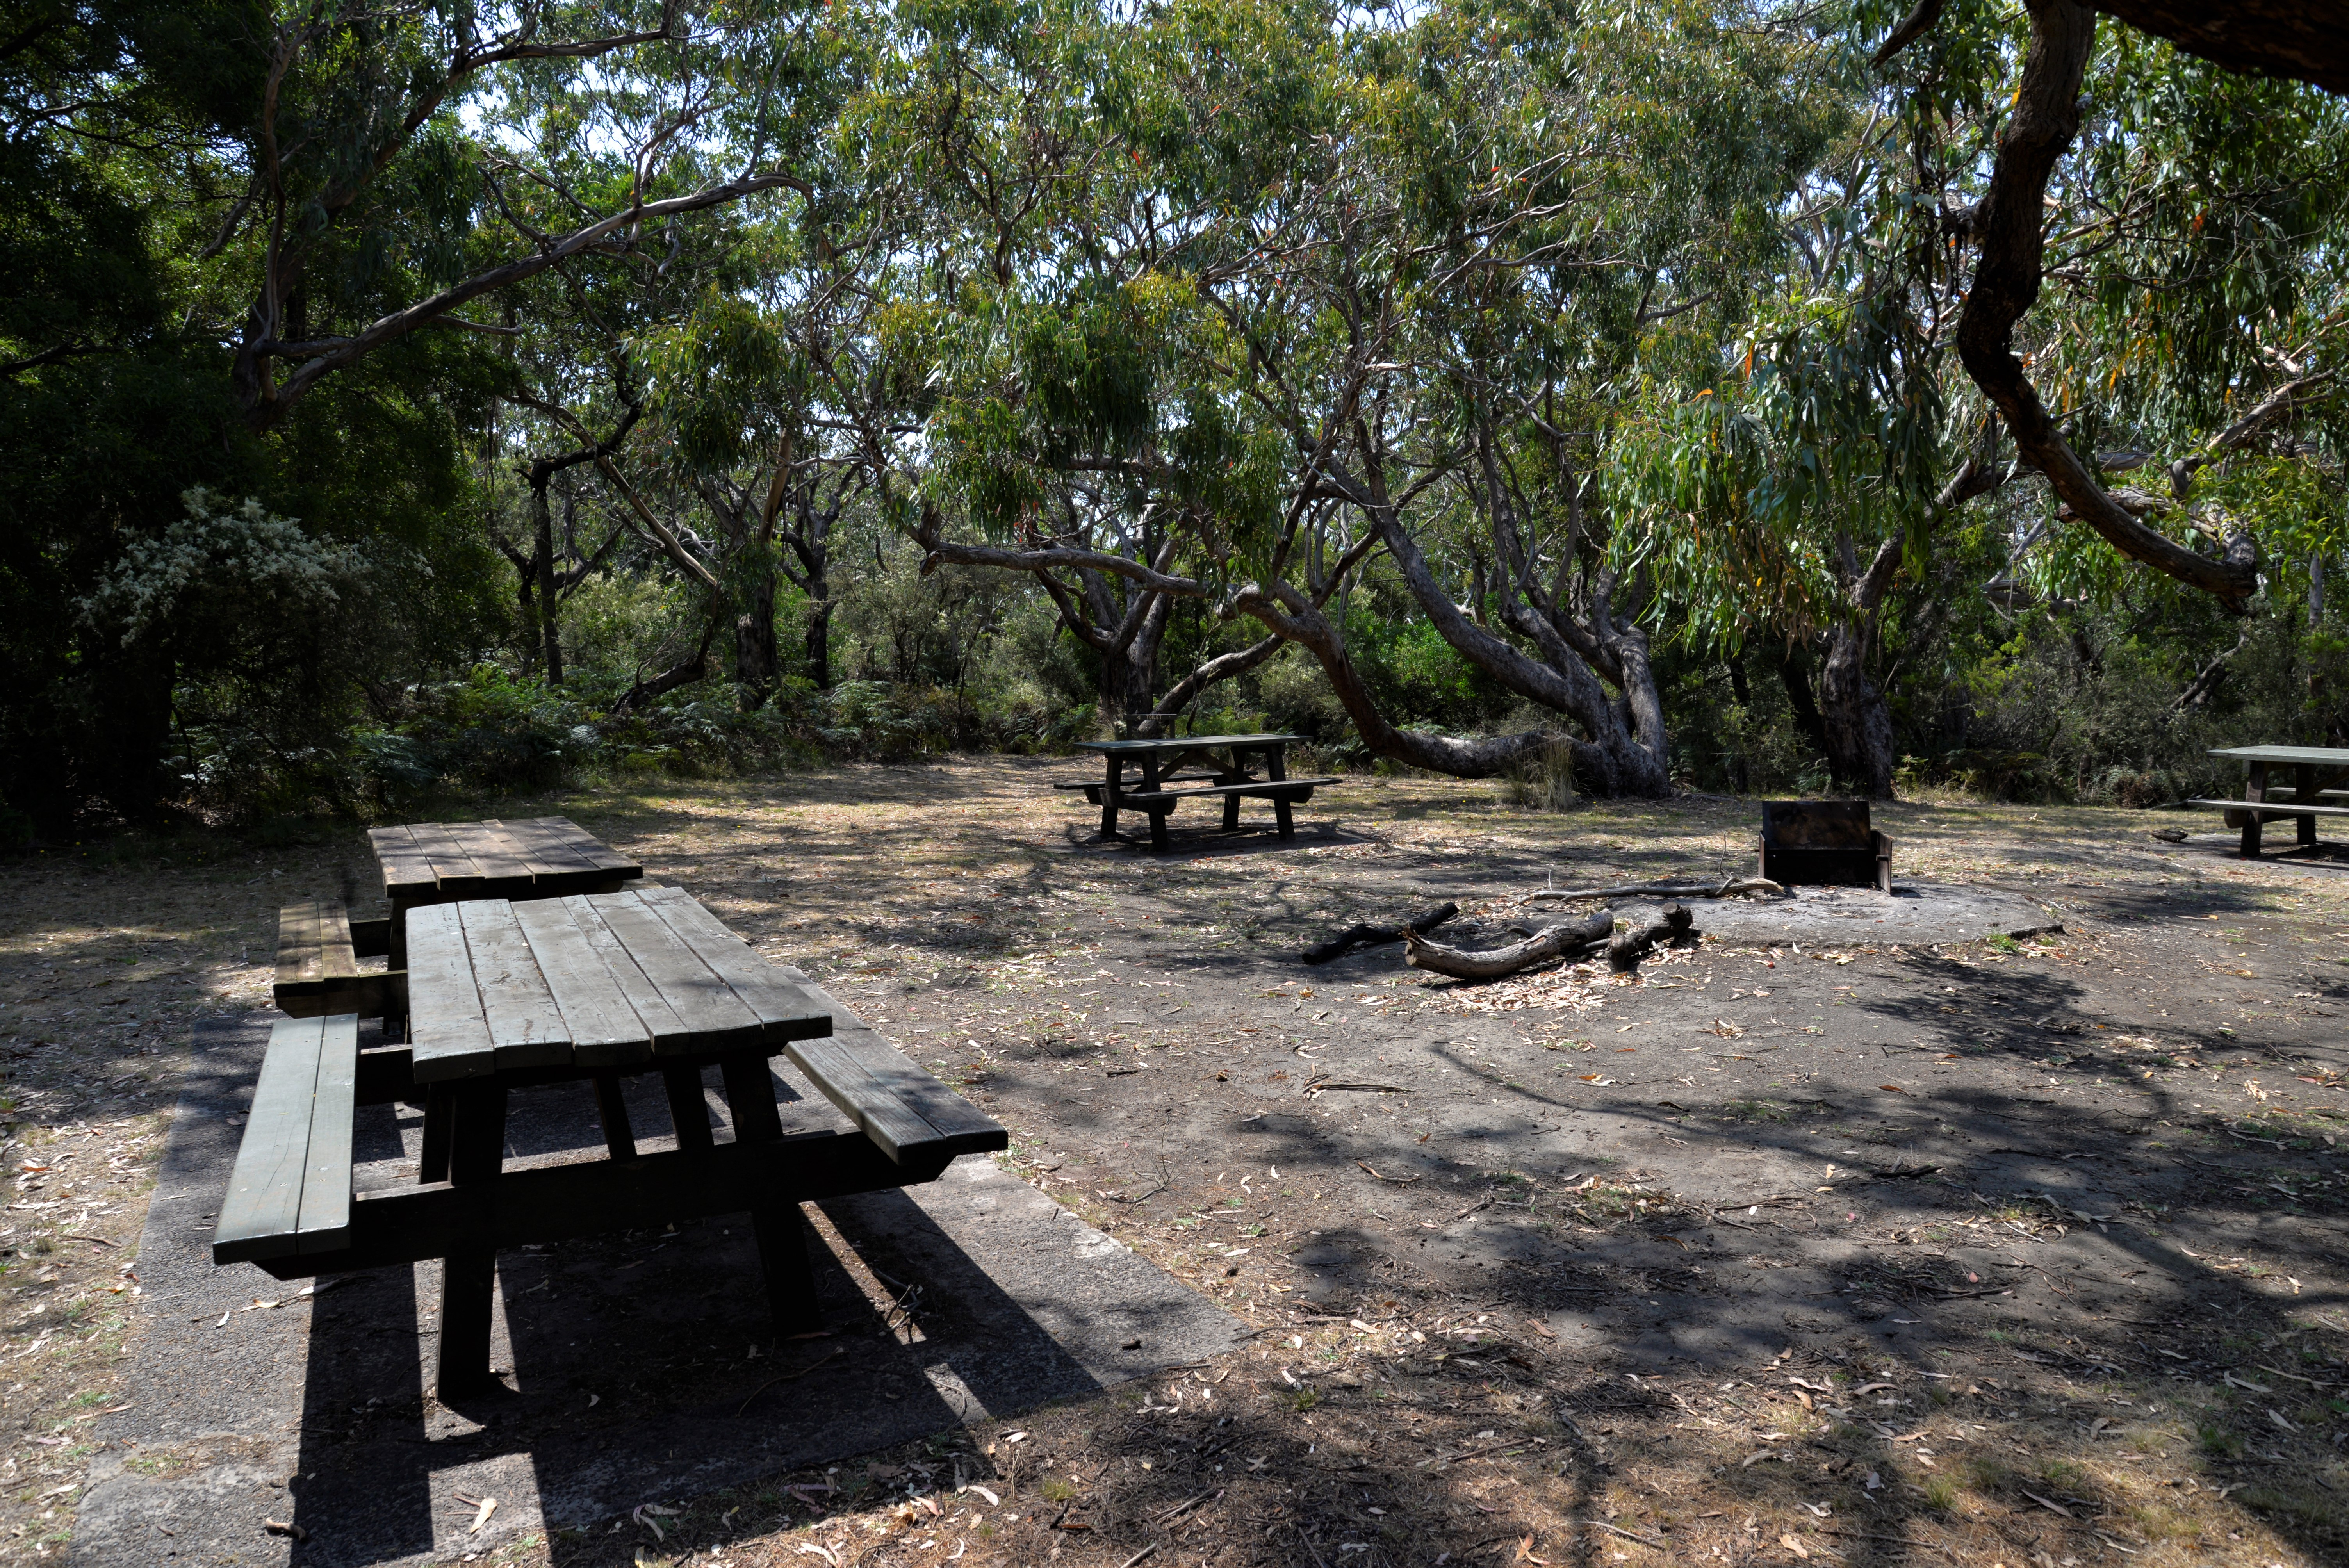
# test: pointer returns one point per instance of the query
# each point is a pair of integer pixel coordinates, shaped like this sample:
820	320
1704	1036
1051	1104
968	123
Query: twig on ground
1398	1181
788	1376
1180	1507
1626	1534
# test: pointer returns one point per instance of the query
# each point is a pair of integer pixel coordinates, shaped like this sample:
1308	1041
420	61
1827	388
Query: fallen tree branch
1624	954
1734	887
1355	936
1552	942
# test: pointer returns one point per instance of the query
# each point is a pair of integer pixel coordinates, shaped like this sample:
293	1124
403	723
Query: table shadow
642	1365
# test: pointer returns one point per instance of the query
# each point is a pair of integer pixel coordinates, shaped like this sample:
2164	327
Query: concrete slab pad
1915	913
639	1366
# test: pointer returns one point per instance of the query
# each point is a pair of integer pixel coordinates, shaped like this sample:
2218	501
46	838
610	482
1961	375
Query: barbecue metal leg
781	1232
468	1278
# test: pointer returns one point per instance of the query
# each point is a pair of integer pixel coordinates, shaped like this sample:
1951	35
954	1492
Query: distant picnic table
517	992
1220	770
2318	774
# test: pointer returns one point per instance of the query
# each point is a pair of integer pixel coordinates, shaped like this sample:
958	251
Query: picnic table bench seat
291	1190
290	1209
1093	787
1296	790
2282	782
2237	810
318	949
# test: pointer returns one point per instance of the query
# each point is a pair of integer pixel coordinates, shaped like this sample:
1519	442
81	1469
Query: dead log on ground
1355	936
1554	941
1734	887
1624	954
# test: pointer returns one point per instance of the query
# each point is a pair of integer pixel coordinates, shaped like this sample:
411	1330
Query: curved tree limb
2010	223
1552	942
265	404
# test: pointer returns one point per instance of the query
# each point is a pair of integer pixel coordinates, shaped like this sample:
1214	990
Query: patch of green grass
2062	1473
2218	1442
1940	1494
1755	1111
1304	1400
1057	1489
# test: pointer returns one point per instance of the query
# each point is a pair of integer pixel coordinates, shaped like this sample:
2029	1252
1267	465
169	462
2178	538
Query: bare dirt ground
2008	1253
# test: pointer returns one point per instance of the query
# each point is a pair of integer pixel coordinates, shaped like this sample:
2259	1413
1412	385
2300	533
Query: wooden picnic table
2318	773
504	994
1224	774
533	857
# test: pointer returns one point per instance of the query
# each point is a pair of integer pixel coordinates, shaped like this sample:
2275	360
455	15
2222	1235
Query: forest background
397	396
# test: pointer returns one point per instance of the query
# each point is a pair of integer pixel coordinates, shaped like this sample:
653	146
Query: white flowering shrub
217	555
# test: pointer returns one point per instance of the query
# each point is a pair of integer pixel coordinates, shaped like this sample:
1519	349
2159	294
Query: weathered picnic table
1221	764
503	995
425	863
2318	774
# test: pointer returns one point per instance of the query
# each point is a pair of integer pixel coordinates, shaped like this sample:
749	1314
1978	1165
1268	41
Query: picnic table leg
468	1278
1109	798
1277	767
395	1025
440	1119
1235	774
1158	814
612	1110
2255	789
2303	793
780	1231
688	1107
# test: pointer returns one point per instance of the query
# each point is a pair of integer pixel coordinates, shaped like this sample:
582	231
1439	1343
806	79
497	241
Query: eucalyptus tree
2193	220
1440	295
2195	241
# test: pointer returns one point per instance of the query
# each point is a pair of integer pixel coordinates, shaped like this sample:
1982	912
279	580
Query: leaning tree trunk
1139	697
1855	720
542	568
756	661
816	643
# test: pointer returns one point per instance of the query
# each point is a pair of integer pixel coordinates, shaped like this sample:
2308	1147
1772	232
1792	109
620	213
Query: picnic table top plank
325	1219
453	870
550	855
707	1007
1186	743
451	1034
406	866
2317	756
544	856
505	865
526	1028
782	1007
644	997
264	1204
569	835
603	1025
